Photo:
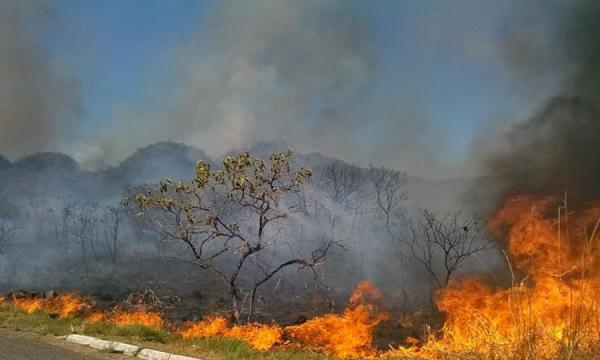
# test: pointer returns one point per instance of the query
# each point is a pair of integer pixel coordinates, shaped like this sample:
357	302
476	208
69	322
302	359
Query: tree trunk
235	304
252	301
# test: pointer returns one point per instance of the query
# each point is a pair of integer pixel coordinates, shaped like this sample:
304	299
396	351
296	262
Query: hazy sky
409	84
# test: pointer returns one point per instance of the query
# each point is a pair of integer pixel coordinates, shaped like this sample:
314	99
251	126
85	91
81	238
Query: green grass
208	348
36	322
230	349
142	332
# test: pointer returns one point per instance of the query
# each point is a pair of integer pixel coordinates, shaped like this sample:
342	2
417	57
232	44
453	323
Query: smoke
259	71
307	73
556	150
37	103
333	77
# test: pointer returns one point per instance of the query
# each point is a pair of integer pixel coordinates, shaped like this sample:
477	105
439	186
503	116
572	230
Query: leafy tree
231	218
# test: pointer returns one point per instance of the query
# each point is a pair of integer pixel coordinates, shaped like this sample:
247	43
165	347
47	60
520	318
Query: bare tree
84	226
342	182
111	221
390	189
228	219
9	224
442	244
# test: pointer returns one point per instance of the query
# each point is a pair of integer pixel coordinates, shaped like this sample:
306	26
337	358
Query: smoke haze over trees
283	71
407	146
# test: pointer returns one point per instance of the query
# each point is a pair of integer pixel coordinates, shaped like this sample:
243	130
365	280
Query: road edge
123	348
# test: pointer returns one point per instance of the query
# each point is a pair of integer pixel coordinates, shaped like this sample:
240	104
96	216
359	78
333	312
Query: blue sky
113	46
440	67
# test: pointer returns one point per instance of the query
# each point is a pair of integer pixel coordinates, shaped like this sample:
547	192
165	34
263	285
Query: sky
408	84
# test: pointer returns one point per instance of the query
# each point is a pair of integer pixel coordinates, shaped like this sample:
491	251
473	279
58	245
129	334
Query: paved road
21	346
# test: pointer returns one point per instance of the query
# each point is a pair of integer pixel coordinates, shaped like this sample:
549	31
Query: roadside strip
125	349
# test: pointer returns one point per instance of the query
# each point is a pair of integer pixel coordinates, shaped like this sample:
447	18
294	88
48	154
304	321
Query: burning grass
145	318
551	311
349	334
61	305
213	348
346	335
261	337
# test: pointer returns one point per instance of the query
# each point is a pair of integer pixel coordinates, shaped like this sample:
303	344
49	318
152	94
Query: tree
9	224
145	229
111	221
389	186
442	244
342	182
84	226
230	218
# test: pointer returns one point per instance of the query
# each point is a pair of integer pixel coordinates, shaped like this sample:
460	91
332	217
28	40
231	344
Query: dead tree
342	182
442	244
84	226
390	189
111	221
9	224
228	217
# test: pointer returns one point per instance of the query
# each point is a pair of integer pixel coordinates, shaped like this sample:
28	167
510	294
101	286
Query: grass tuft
142	332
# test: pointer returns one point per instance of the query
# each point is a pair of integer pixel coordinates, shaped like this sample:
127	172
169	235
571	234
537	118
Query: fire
553	305
146	318
551	309
349	334
209	327
346	335
69	303
95	317
66	304
258	336
29	305
62	304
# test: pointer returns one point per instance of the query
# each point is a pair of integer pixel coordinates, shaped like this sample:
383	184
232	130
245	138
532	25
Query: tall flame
553	304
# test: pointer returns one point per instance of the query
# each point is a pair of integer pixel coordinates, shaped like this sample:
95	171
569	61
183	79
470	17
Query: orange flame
95	317
66	304
29	305
209	327
349	334
258	336
146	318
554	303
62	305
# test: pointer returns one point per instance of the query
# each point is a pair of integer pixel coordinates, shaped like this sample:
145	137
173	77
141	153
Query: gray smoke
556	150
303	72
254	71
37	103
